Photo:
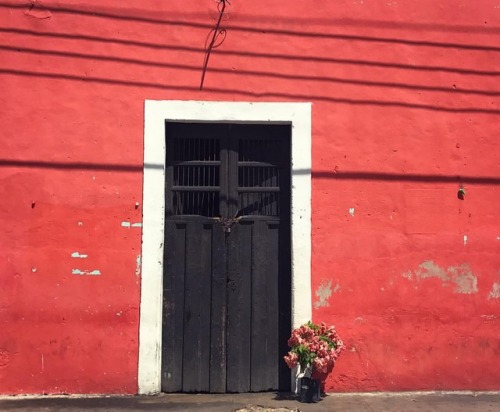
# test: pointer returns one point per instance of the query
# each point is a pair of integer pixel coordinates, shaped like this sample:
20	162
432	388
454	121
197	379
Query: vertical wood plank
239	308
173	306
218	319
265	307
197	292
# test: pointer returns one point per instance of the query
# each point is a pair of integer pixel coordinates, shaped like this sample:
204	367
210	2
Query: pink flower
291	359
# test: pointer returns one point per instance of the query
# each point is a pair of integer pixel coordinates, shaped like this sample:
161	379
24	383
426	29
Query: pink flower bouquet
314	349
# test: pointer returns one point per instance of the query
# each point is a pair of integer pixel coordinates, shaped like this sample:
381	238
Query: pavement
260	402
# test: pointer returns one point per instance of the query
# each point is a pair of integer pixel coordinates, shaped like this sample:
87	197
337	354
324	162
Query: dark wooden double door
226	292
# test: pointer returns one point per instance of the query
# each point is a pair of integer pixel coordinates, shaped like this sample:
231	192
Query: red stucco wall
405	110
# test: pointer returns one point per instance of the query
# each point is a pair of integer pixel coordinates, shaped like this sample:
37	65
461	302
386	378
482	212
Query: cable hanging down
217	32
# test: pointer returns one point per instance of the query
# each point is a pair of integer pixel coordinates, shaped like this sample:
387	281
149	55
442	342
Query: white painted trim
156	113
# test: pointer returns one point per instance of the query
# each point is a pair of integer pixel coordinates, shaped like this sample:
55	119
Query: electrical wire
217	32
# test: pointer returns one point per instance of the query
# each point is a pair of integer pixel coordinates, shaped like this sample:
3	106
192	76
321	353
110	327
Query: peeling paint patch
324	293
464	279
461	276
408	275
429	269
465	240
78	255
128	224
138	265
95	272
351	211
495	291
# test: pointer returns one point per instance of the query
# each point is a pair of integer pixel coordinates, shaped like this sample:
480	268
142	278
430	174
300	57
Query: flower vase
309	390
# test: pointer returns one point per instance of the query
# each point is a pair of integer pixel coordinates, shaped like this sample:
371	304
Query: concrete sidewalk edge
333	394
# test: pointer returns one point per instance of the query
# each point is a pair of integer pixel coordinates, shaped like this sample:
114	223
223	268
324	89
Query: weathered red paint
405	110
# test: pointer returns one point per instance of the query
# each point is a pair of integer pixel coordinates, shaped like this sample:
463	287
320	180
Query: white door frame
155	115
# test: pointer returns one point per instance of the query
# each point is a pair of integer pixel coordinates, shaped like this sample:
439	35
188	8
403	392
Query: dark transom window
225	169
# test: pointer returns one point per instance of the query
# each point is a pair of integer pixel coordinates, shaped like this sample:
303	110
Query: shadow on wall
233	91
242	53
486	106
346	175
132	16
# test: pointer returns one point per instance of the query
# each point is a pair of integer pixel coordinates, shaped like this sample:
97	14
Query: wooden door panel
265	307
173	306
239	308
198	279
218	318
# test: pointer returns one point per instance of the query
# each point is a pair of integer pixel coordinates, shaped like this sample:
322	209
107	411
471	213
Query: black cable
217	31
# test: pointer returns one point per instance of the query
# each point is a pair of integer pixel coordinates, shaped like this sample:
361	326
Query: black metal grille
260	150
196	203
258	176
196	175
215	169
259	204
259	162
194	165
192	148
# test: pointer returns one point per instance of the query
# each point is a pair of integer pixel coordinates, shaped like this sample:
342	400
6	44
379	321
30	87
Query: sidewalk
261	402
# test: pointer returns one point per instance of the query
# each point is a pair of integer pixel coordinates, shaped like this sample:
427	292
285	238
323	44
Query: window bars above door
259	164
225	170
193	170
